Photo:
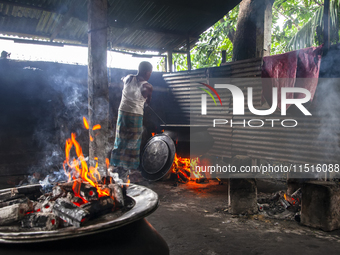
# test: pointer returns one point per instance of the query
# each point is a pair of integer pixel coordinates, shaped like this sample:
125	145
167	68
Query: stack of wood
69	204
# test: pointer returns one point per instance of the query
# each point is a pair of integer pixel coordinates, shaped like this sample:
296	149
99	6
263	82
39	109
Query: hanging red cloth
292	69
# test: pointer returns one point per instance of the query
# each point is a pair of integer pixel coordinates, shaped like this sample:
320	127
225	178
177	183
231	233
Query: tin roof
133	24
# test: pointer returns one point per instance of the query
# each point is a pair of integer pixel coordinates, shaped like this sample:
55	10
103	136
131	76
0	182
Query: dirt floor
194	219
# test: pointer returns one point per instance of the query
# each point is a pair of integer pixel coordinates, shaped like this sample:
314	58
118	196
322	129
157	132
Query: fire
86	124
107	162
185	168
290	199
153	134
96	127
77	167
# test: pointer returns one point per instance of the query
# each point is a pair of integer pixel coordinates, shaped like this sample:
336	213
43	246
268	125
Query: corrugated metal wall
313	141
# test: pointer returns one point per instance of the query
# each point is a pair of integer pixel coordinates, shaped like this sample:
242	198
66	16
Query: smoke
50	180
328	107
60	111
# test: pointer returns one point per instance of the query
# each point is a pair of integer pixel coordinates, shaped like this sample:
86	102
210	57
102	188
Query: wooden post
166	63
224	56
326	22
253	31
264	28
98	91
169	61
188	54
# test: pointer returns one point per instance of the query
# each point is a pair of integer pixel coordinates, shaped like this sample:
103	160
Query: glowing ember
153	134
290	199
184	168
96	127
86	124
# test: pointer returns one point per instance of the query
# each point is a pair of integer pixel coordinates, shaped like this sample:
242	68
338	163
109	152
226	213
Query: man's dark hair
144	67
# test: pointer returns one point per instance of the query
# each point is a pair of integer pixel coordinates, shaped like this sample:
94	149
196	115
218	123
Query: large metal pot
128	233
158	154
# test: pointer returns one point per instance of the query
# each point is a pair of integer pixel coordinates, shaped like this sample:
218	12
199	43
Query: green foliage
296	24
303	24
207	51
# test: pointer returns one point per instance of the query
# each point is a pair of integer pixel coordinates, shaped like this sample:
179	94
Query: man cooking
136	92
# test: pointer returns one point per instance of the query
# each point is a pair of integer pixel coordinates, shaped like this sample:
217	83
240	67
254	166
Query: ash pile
68	204
280	205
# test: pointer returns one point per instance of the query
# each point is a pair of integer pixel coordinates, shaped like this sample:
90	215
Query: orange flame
86	124
290	199
128	181
96	127
107	162
78	168
153	134
91	138
186	167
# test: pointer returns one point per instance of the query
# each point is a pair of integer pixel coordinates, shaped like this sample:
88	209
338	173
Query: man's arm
147	92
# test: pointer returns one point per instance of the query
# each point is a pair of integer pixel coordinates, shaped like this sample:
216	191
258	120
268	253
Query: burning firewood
74	202
9	195
13	213
85	190
295	198
106	180
12	202
29	189
58	191
98	207
69	212
117	193
285	203
41	221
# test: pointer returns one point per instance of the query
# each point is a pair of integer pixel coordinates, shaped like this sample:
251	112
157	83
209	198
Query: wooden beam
166	63
188	54
134	48
138	55
64	20
98	90
169	69
224	56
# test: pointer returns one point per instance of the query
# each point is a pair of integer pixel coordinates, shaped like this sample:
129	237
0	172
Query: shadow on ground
194	219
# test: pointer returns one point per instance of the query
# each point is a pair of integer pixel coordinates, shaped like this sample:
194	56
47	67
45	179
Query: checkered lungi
126	149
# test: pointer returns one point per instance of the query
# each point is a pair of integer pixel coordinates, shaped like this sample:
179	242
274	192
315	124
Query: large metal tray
145	202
